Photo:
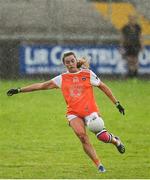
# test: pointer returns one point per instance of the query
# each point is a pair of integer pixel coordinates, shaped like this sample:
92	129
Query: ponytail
83	63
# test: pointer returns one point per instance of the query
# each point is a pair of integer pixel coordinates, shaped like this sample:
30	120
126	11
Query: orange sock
96	162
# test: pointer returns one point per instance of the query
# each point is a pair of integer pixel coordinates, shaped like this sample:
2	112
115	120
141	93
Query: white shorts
92	121
86	118
71	117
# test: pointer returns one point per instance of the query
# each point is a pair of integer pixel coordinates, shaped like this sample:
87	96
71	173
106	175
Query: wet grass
36	141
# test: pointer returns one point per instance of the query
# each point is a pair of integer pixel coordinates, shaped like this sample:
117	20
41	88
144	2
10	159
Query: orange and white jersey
77	89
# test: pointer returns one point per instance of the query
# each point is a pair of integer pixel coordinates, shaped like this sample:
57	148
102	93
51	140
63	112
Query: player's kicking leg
106	137
96	125
119	145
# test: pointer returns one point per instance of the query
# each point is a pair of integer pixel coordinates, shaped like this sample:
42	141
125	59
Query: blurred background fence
35	33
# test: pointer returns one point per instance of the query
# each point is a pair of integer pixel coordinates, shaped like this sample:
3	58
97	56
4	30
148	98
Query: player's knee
83	137
95	124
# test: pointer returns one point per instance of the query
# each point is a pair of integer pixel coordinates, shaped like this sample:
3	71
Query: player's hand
13	91
120	108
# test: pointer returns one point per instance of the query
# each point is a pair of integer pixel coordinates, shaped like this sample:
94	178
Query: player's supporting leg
78	126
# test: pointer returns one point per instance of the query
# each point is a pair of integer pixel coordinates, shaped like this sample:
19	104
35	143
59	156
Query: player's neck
73	70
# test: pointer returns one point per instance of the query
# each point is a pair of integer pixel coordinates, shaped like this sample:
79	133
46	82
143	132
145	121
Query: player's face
71	63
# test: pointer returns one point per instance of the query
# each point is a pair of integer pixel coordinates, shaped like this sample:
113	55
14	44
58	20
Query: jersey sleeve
57	80
94	80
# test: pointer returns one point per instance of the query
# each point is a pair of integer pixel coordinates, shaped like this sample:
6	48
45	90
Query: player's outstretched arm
33	87
109	93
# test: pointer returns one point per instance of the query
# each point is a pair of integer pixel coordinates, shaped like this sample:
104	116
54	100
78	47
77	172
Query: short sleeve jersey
77	89
94	80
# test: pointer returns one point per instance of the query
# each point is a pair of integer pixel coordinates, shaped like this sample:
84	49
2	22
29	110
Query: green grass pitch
36	141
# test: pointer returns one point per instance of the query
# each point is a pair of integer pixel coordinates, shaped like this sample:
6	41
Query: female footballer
82	111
